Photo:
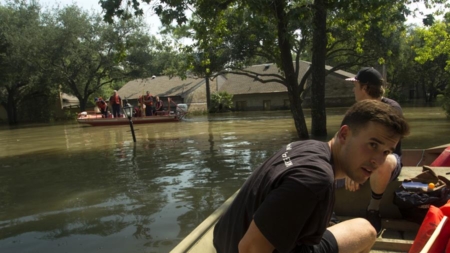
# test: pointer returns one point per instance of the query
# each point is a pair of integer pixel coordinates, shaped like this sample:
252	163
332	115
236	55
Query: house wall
219	80
255	102
338	93
280	101
414	93
196	99
332	102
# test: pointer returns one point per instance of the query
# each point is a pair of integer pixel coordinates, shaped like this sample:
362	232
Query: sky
151	18
154	23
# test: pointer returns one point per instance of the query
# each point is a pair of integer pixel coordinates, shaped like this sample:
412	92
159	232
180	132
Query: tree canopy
45	51
85	56
283	32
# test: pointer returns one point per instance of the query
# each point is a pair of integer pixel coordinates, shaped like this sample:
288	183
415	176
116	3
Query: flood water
66	188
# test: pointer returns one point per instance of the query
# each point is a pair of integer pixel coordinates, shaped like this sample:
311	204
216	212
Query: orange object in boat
430	223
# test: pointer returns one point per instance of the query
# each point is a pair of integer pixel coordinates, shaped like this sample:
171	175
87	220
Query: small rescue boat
96	119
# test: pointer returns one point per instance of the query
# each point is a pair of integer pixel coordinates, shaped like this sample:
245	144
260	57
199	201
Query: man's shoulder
392	103
313	145
312	154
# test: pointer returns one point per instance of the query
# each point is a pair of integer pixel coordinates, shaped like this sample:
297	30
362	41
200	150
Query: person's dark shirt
290	197
396	106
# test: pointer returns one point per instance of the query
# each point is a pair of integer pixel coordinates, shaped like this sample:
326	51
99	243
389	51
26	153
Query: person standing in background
159	106
148	101
115	101
368	84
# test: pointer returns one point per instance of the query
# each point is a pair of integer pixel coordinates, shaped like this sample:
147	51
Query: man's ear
365	88
343	133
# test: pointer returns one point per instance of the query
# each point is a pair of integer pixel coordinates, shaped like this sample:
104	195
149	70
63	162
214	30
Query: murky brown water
67	188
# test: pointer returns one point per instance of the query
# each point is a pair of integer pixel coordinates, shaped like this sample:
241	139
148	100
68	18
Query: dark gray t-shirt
396	106
290	197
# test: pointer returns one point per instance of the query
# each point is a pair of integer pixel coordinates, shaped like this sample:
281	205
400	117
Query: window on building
266	105
241	105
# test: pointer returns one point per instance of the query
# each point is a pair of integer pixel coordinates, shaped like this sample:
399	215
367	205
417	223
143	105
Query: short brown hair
369	110
374	91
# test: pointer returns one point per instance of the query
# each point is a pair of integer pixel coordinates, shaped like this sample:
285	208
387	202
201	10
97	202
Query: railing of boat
188	243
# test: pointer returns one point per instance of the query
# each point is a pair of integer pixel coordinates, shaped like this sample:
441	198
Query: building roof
242	84
162	86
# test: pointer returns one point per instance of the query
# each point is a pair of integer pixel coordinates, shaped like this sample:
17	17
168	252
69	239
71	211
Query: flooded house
190	91
250	94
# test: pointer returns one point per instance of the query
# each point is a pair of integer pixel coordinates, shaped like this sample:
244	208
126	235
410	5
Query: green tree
434	48
88	53
426	80
284	30
21	58
204	58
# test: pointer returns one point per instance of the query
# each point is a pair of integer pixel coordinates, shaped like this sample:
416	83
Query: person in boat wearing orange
102	105
115	101
368	84
148	101
285	205
159	106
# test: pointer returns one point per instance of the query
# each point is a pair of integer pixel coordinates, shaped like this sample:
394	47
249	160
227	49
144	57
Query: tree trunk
208	94
297	114
287	66
11	109
83	102
318	111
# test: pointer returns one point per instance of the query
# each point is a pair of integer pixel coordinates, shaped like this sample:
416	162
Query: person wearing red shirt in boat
103	106
148	101
116	103
159	106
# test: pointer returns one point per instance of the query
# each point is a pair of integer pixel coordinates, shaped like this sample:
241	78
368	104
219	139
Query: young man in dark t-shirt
286	204
368	84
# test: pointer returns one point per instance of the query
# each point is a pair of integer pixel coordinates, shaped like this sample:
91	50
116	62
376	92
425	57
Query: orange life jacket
149	97
115	99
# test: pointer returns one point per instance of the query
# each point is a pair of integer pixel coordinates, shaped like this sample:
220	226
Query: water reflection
71	189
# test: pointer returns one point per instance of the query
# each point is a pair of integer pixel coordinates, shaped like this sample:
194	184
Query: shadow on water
66	188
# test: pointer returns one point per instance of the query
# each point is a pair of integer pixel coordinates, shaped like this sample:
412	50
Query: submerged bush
221	102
